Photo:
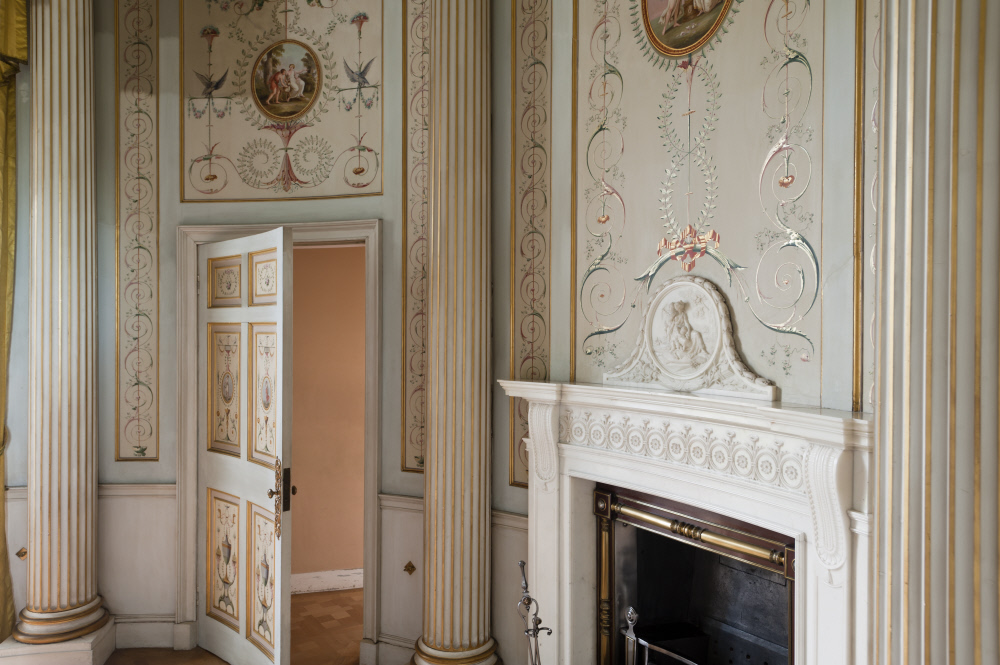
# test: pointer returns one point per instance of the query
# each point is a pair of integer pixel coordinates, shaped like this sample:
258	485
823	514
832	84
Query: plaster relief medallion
686	343
224	388
225	275
260	577
263	368
222	558
286	80
684	332
678	27
264	273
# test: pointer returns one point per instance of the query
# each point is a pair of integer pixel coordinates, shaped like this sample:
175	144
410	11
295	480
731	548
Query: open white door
244	459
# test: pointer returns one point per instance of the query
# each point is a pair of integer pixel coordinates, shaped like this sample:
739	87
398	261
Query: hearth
682	585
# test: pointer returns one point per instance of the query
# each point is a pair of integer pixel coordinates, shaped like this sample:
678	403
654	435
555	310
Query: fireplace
682	585
763	502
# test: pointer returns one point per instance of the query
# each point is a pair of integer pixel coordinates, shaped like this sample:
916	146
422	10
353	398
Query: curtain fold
13	53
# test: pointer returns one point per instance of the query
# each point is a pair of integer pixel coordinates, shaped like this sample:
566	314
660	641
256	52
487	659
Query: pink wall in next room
329	407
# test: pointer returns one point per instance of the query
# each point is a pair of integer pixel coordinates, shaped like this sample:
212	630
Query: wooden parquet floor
326	630
326	627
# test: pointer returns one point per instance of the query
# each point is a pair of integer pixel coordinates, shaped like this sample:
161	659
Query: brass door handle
276	495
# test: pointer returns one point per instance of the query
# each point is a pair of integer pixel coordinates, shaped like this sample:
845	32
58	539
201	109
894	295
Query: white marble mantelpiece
794	470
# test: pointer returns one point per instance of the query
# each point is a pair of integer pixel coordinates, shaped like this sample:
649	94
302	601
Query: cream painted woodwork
62	599
246	424
457	478
936	530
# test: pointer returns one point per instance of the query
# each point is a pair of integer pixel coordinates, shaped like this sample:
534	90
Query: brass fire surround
609	507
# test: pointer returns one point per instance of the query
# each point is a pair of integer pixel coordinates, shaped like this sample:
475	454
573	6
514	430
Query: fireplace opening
683	585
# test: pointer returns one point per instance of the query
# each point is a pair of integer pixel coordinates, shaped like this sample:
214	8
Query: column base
52	627
484	655
92	649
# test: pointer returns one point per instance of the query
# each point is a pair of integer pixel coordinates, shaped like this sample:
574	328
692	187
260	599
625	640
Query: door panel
244	353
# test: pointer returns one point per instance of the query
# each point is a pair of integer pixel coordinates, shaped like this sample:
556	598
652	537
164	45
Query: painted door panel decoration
224	388
137	241
280	99
264	273
735	124
263	368
531	133
222	558
260	578
226	277
416	71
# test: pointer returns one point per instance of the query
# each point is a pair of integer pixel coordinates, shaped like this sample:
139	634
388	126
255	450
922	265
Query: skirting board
144	631
328	580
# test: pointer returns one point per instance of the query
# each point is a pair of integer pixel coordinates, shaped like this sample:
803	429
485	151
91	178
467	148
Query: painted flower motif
359	20
208	33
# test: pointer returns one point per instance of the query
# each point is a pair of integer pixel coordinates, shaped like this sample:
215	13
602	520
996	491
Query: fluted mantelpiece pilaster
457	487
62	600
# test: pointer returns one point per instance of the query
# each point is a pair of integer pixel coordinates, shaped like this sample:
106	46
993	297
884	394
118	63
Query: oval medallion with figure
286	80
678	27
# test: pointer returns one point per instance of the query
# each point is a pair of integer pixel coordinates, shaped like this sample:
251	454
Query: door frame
366	231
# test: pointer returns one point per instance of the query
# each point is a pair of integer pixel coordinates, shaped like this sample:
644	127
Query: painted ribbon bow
689	247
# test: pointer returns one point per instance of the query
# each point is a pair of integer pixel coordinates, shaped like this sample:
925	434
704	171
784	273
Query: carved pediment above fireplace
686	344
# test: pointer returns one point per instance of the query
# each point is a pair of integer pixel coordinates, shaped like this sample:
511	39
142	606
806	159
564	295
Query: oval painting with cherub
286	80
678	27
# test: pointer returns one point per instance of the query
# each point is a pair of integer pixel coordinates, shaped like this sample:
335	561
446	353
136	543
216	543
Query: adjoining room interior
329	433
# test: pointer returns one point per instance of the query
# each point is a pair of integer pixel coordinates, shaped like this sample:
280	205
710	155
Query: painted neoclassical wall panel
416	72
281	100
530	236
709	164
260	578
137	241
222	558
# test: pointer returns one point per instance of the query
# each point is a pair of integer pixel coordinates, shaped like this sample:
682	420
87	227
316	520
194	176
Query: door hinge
198	287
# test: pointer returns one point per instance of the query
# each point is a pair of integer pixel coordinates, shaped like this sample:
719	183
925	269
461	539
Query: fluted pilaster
62	600
457	478
937	401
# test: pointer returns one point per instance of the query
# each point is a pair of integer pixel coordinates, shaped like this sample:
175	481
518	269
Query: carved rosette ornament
686	344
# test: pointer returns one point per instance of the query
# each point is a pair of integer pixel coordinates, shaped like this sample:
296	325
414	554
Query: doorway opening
194	248
329	430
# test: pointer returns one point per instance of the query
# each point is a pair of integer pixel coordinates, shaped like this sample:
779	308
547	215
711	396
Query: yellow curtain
13	53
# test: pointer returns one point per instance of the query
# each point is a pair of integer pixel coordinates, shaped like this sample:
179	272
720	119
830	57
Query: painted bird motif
210	85
361	76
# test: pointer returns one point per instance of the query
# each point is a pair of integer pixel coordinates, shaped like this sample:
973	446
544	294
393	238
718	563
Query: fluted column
457	476
936	413
62	600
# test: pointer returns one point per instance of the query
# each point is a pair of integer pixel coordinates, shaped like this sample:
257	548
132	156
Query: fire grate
699	588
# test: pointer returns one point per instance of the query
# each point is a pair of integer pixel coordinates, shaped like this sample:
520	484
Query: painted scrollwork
781	286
